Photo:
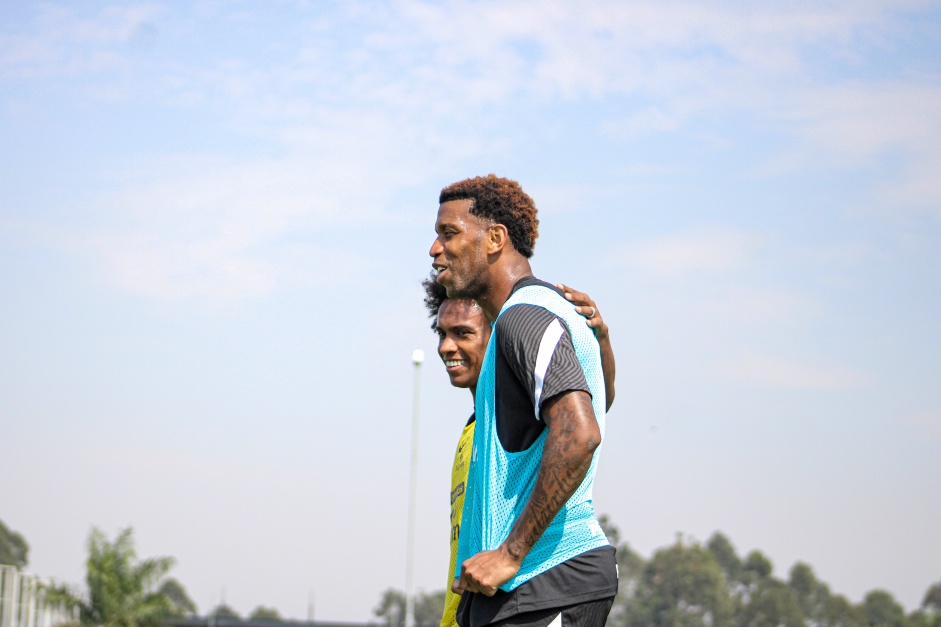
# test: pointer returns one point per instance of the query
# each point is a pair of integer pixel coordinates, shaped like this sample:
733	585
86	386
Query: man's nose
446	345
436	248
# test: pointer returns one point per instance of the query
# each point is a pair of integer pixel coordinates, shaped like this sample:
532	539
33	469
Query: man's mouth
453	363
438	269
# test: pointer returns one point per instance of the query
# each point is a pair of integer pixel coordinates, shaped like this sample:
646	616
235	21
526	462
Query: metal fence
23	602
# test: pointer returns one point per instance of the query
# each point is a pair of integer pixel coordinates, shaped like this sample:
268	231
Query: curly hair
504	202
435	294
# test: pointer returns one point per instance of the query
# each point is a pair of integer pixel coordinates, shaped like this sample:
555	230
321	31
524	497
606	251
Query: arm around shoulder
585	306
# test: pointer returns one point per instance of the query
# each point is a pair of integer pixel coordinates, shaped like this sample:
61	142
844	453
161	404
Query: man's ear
497	238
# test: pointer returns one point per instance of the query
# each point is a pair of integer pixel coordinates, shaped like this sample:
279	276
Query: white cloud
650	120
217	230
919	189
725	276
860	121
166	271
396	97
200	227
743	304
63	43
684	254
788	373
864	126
665	49
927	423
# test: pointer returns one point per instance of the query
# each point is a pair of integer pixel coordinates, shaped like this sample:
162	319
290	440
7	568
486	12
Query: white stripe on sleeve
550	339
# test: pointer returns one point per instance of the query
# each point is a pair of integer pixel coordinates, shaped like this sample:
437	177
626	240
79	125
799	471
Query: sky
215	218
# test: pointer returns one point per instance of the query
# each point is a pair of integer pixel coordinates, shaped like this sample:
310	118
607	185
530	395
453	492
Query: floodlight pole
418	357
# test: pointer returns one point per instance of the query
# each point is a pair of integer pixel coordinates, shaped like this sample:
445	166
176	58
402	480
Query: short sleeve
538	350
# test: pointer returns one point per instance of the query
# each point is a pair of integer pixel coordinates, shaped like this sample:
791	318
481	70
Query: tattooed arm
572	439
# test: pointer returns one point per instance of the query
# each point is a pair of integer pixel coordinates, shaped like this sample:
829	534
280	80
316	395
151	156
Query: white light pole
418	357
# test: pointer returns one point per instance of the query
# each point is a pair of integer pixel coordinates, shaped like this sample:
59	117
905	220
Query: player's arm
572	439
585	306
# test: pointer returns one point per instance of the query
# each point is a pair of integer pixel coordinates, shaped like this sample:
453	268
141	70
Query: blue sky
214	218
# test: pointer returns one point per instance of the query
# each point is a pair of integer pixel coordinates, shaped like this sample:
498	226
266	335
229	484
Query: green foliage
224	611
724	553
920	618
121	588
771	604
690	585
757	567
931	604
264	614
882	610
839	612
681	586
811	594
610	530
13	548
428	608
182	604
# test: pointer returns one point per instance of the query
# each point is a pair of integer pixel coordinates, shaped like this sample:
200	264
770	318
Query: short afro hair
435	294
502	201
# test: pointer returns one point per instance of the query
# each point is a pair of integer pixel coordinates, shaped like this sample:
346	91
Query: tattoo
572	439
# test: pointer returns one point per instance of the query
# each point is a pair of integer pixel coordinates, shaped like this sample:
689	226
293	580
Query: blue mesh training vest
499	483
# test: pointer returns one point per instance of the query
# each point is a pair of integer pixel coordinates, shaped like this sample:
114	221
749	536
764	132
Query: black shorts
590	576
589	614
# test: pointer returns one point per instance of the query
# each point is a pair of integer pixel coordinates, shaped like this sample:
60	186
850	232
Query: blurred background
215	217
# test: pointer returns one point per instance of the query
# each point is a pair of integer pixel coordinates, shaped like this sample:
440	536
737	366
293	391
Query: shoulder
522	331
528	281
525	316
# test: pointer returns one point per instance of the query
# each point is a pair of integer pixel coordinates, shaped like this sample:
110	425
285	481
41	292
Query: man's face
458	252
463	333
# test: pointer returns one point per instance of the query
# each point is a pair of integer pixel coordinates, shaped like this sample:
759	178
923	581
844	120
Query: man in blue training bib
531	551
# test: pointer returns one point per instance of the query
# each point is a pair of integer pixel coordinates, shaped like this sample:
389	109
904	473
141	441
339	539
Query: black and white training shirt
535	361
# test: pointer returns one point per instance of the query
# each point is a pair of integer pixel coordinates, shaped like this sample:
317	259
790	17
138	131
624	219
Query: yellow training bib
458	482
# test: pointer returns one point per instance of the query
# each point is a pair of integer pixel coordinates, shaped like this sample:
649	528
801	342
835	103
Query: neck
502	280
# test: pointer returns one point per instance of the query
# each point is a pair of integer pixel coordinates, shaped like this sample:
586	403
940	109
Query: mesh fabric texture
500	483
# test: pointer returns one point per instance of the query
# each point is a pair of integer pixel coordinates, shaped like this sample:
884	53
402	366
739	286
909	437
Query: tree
225	612
610	530
183	604
931	604
682	586
811	594
429	608
919	618
771	604
882	610
13	548
839	612
757	567
391	607
725	555
630	574
264	614
762	600
121	588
